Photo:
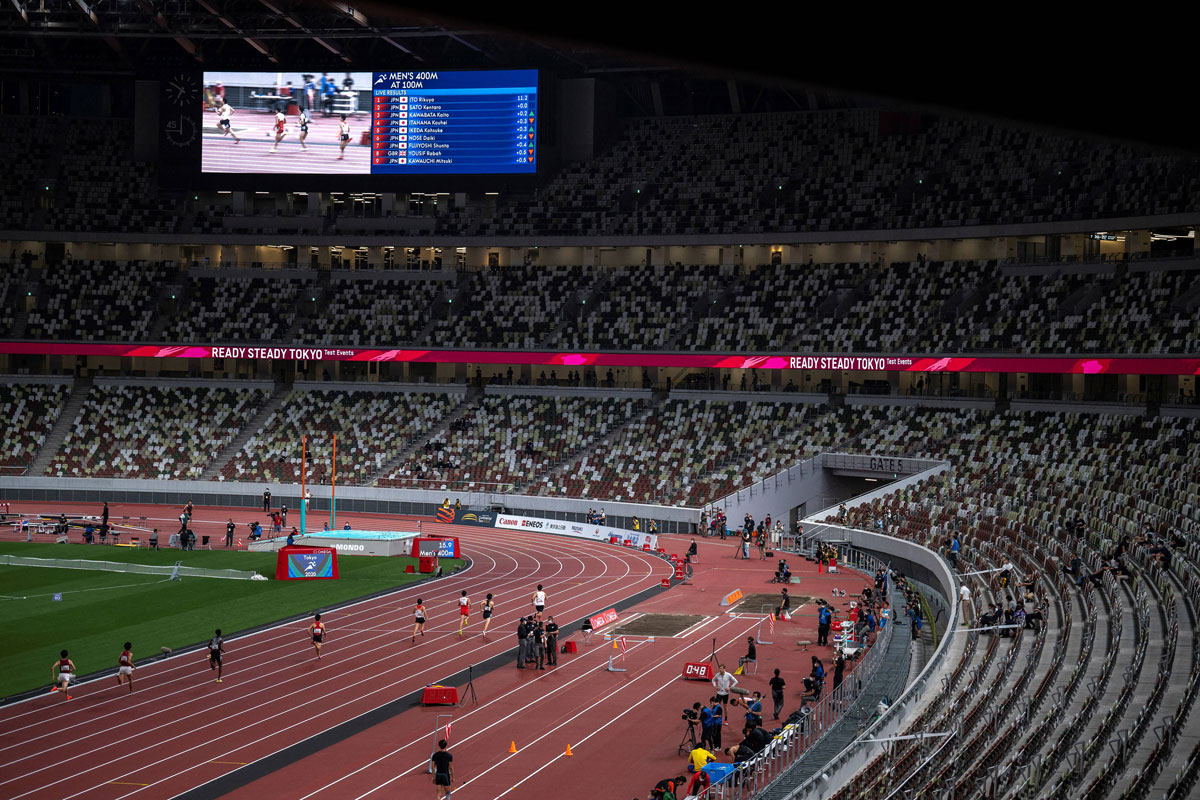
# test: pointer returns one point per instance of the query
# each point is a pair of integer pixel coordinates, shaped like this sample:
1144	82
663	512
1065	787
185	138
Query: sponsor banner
306	563
1146	365
483	517
604	618
598	533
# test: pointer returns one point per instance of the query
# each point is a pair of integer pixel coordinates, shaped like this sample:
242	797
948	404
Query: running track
180	730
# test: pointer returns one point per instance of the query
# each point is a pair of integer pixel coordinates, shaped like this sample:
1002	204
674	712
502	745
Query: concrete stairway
468	405
573	460
66	419
278	395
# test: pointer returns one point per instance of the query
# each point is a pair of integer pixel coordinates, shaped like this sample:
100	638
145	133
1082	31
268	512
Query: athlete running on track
489	605
303	128
280	129
464	612
224	112
343	135
64	671
125	666
539	601
318	634
420	626
216	648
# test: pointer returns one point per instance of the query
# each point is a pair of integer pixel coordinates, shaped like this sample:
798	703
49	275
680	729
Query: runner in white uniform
224	113
464	612
539	601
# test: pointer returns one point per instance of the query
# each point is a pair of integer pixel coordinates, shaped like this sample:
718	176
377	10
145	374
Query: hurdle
766	610
618	640
437	726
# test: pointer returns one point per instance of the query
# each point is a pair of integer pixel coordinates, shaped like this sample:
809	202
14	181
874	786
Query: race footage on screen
364	123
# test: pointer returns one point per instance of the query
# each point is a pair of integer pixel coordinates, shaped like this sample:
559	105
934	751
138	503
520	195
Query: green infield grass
99	611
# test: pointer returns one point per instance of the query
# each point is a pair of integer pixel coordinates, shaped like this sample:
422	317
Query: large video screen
371	123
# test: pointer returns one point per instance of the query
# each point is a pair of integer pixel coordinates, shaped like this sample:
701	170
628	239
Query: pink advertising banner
1144	365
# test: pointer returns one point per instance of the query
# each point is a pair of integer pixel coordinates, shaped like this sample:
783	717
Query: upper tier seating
235	309
97	300
371	313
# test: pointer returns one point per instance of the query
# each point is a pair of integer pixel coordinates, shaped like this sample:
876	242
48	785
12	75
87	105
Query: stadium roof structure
1075	73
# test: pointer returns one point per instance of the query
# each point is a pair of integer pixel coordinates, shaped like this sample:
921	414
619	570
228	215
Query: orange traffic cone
512	748
568	753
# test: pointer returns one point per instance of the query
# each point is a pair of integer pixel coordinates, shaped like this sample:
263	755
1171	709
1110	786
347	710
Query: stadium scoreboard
420	124
454	122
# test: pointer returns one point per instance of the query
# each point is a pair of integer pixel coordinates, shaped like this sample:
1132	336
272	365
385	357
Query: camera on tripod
688	743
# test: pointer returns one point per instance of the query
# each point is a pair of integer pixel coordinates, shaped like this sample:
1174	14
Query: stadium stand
1043	487
511	441
372	428
148	431
690	451
236	308
786	172
923	306
369	312
97	300
511	307
29	411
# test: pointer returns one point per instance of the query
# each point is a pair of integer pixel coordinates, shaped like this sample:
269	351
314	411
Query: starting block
646	547
666	582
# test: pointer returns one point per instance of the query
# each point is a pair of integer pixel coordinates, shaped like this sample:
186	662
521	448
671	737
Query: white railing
755	775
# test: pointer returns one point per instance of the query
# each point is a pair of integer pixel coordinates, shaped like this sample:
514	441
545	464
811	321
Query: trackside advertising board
599	533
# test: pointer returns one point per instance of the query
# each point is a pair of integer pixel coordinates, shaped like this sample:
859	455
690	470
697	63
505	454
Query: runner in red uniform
125	666
280	132
318	634
464	611
64	671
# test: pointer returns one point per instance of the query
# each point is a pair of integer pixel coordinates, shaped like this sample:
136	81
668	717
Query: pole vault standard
303	470
333	492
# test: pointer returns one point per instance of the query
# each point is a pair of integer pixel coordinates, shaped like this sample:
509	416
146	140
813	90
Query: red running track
180	729
623	729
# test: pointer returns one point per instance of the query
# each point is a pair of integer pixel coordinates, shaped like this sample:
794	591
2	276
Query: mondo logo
341	546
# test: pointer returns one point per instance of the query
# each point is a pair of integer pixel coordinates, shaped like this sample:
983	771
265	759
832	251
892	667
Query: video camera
690	715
